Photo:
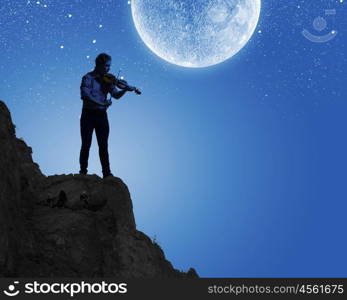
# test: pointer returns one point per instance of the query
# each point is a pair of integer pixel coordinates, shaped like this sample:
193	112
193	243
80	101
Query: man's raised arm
116	93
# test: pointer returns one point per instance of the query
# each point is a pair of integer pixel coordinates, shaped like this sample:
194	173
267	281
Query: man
94	116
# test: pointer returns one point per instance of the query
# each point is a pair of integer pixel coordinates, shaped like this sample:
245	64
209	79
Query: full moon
195	33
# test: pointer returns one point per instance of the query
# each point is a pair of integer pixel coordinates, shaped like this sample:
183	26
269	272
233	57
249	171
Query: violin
120	83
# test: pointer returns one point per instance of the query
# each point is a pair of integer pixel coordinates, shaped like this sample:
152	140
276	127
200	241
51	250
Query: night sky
238	169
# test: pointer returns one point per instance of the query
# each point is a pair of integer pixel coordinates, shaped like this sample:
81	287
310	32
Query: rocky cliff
68	225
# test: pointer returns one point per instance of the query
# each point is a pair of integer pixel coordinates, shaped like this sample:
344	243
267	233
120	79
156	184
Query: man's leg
87	127
102	131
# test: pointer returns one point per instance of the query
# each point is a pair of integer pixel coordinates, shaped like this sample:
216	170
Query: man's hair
102	58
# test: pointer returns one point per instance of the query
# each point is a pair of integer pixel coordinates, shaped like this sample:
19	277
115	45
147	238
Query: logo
71	289
319	24
12	291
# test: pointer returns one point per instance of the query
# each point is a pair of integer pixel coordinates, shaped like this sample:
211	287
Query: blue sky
237	170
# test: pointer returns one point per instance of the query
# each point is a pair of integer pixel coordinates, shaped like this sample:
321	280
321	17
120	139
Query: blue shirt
94	92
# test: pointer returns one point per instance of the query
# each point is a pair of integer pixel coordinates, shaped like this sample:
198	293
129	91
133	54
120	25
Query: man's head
103	63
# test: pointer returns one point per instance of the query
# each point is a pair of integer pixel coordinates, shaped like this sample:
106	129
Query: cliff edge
68	225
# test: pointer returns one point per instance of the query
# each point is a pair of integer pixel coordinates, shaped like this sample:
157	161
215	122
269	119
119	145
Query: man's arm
86	91
117	94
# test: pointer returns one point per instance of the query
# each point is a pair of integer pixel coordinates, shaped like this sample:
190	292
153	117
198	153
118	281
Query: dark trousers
90	120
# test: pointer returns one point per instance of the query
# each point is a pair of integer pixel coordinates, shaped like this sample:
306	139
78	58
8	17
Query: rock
69	225
62	199
192	273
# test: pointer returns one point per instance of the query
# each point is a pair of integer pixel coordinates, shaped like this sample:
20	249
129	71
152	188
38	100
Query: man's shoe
108	175
83	172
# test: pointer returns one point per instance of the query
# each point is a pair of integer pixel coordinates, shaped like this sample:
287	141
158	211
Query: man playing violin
94	90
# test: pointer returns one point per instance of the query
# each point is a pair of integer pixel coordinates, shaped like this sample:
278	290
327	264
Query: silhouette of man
94	116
